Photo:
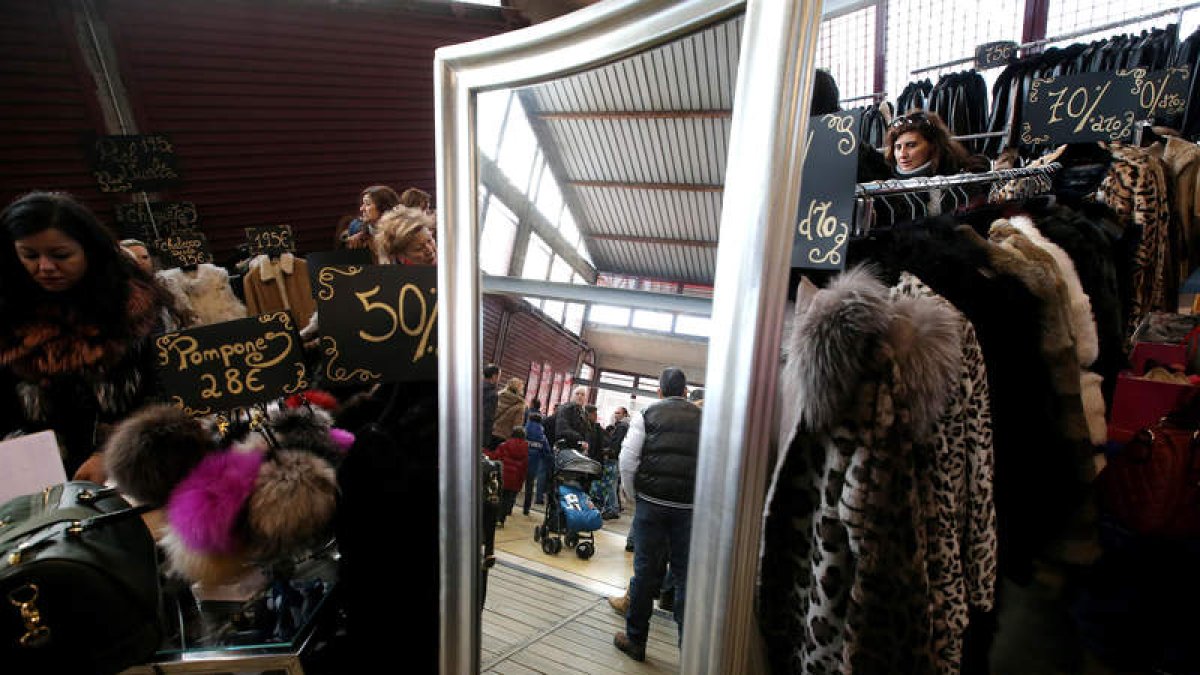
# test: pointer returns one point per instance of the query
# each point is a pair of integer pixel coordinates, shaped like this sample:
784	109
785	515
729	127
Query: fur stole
206	292
56	343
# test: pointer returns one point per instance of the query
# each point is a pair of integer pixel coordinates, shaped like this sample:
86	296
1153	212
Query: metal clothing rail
877	96
1068	36
895	187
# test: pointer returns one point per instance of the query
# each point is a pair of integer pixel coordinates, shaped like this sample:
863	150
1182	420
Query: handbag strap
45	519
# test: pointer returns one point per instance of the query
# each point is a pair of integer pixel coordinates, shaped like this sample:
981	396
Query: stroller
570	512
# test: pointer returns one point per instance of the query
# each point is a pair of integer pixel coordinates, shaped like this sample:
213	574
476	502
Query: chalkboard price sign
993	54
129	163
271	240
827	191
134	220
378	322
1083	107
1164	93
231	365
183	250
347	257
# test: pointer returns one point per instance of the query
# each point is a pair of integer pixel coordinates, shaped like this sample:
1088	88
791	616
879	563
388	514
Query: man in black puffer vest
658	469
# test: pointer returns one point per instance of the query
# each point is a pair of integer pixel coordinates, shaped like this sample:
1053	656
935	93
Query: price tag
183	250
827	191
1083	107
378	322
1164	93
134	220
271	240
318	261
132	163
231	365
994	54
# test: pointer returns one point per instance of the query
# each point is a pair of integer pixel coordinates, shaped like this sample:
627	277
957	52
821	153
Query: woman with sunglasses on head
919	145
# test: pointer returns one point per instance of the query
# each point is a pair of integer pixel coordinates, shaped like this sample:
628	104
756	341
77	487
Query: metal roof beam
636	115
682	187
698	243
518	202
601	295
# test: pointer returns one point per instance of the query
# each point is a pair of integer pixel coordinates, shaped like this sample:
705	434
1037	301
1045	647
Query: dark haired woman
919	145
373	203
78	313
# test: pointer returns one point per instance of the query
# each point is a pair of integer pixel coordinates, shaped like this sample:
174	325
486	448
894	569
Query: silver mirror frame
760	201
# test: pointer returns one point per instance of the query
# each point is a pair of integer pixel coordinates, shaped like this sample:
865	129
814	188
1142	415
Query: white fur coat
206	292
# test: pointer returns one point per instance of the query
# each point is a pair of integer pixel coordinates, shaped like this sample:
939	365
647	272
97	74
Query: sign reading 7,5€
378	322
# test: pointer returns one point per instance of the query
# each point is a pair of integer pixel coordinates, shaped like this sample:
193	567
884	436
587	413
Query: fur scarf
206	292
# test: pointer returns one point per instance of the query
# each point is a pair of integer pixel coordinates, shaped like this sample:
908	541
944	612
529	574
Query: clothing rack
865	193
894	187
1079	33
877	96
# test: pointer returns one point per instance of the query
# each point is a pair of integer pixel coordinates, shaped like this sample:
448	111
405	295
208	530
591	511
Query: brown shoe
634	651
620	605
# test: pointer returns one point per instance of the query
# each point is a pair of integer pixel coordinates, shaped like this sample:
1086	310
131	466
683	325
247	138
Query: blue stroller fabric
578	512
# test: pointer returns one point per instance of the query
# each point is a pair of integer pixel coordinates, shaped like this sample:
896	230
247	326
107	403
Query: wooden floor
550	614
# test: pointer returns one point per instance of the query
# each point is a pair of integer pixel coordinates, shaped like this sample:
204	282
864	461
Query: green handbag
79	584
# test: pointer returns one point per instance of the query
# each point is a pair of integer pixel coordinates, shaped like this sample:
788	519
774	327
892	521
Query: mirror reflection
599	210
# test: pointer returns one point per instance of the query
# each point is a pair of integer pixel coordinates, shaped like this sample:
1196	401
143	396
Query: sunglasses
917	119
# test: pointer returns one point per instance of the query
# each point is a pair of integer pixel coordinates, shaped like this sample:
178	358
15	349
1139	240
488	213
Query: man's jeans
659	532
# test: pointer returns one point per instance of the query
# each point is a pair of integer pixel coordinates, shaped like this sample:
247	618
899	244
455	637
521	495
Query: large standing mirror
587	175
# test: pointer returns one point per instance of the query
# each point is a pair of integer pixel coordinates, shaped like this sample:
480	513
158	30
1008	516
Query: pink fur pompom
204	507
341	438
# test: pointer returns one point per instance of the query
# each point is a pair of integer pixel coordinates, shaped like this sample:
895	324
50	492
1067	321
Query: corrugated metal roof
639	149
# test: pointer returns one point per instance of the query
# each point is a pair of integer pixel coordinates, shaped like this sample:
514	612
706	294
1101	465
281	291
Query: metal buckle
24	599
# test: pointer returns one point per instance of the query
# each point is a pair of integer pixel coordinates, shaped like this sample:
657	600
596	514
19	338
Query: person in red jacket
514	454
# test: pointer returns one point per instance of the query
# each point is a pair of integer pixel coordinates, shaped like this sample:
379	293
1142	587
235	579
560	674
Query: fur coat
205	291
58	373
853	537
1033	474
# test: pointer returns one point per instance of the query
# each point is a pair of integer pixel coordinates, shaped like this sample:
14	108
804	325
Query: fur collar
56	343
849	333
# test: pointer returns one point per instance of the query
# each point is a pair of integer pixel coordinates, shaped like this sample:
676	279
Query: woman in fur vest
510	409
78	315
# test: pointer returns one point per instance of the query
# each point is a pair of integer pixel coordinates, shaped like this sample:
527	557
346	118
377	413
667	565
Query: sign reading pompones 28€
827	191
378	322
231	365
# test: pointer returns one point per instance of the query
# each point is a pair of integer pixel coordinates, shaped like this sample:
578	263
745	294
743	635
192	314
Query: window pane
607	314
911	43
585	371
560	270
491	109
537	259
688	324
648	384
846	48
648	320
619	379
1070	16
574	318
518	148
536	302
549	198
496	241
554	309
566	227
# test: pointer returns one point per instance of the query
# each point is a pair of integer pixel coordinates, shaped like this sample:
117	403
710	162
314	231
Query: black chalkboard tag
231	365
134	220
994	54
378	323
1164	95
134	163
1083	107
270	240
826	206
186	249
322	259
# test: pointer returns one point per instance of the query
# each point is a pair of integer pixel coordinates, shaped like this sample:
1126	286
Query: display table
272	626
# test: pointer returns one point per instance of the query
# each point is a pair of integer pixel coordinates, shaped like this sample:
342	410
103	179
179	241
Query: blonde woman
404	236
